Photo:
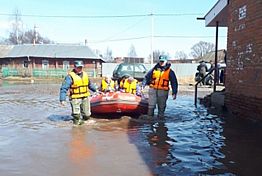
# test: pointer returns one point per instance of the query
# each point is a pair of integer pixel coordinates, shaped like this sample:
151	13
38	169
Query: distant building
221	57
221	54
243	18
181	61
129	59
28	58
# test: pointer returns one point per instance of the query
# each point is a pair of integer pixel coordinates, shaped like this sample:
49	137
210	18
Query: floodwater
37	138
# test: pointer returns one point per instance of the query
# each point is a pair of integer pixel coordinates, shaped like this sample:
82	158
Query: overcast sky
177	30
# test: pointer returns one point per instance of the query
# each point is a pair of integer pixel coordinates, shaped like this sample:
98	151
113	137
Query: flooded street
37	139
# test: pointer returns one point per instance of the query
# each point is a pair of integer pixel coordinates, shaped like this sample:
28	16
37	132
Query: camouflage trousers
81	107
159	98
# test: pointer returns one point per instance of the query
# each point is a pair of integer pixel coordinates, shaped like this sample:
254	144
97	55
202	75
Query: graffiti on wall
243	50
242	12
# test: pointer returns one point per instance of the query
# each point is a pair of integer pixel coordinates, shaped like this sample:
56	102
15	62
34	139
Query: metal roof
51	50
5	49
218	13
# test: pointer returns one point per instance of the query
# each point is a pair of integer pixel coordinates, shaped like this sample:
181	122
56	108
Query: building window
45	64
66	65
25	64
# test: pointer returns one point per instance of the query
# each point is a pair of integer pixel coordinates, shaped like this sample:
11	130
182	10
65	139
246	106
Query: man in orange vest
78	84
158	79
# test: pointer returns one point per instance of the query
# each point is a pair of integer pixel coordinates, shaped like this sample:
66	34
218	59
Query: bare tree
31	36
99	53
156	55
18	36
16	33
108	55
2	41
132	51
201	48
181	55
27	37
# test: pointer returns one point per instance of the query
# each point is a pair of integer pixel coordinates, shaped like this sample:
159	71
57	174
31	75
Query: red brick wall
244	61
58	63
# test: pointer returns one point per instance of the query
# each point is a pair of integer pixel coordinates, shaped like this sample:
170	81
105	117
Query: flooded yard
38	138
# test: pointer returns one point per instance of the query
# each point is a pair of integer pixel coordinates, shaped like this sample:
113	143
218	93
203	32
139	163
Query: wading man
158	79
78	84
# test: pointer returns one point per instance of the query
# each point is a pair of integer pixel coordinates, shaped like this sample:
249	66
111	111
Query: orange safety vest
160	79
79	87
130	87
105	85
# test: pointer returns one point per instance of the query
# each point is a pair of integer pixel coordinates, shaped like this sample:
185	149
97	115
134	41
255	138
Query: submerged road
37	138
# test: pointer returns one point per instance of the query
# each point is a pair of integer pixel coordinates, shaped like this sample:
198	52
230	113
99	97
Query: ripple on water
191	137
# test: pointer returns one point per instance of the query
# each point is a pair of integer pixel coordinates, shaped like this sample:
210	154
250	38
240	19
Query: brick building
129	59
27	59
243	18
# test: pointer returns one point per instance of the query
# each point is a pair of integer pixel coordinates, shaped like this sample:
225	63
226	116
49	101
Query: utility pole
152	39
35	35
17	21
216	68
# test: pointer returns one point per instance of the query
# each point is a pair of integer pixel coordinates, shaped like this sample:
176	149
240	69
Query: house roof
211	56
51	50
218	13
5	49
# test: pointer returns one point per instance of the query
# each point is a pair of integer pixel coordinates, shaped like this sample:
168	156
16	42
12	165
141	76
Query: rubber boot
77	120
85	118
150	112
160	114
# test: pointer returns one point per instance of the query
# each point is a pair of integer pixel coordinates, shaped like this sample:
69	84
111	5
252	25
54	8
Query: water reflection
79	149
159	139
161	147
188	142
242	146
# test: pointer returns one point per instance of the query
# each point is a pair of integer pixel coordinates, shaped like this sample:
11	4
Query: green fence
40	73
9	72
53	73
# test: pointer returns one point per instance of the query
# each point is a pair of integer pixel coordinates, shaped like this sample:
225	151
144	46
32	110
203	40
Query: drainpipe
30	69
94	72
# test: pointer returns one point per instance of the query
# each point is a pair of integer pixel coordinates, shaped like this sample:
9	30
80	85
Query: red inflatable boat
118	103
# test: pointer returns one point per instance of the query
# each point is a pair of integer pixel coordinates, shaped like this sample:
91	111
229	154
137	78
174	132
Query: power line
74	16
184	36
101	16
120	39
178	14
157	36
126	29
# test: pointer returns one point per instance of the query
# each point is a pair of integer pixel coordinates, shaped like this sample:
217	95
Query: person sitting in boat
131	85
122	81
107	84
